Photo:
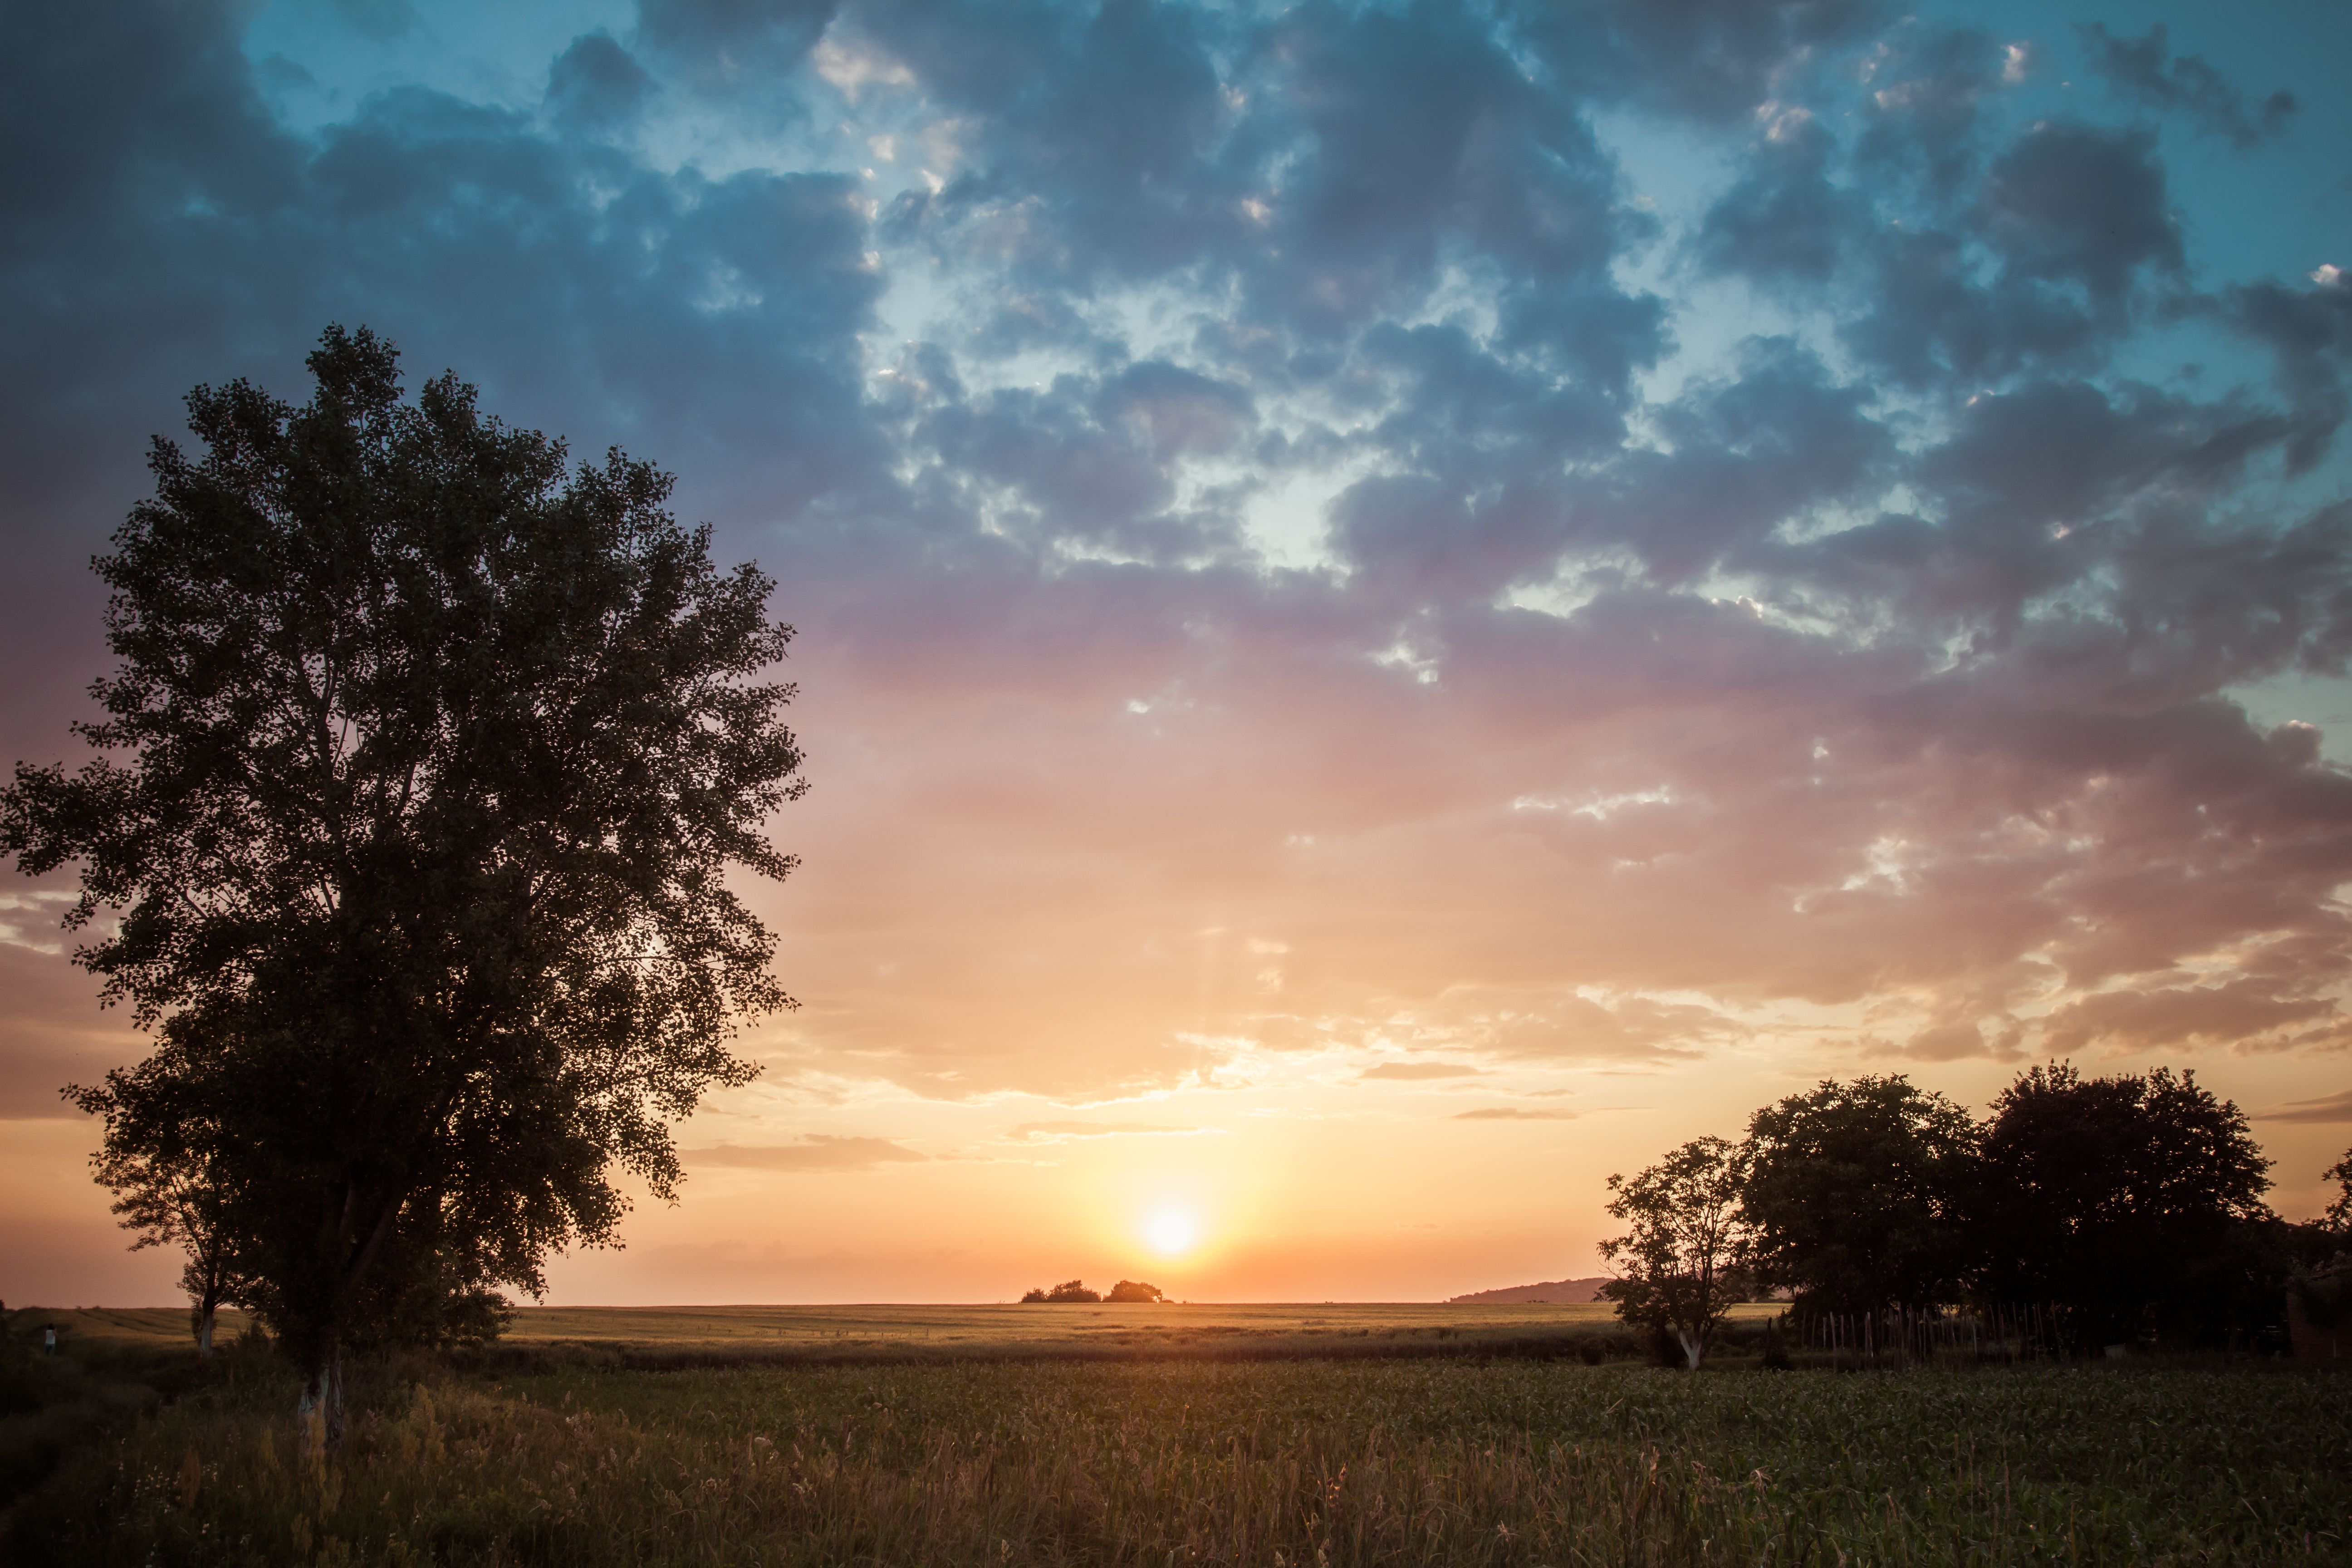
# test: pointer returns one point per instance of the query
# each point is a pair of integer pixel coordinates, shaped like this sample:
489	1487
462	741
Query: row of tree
1077	1290
420	783
2132	1205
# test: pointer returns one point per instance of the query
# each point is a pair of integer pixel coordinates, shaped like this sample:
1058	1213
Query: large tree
2132	1202
1854	1191
421	779
1679	1264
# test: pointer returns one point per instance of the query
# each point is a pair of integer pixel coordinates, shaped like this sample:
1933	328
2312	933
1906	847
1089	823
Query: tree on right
2132	1202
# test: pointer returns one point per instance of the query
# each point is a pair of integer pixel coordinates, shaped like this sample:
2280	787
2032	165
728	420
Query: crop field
671	1335
1281	1463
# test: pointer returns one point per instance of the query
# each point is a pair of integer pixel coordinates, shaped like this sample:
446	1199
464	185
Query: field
563	1456
676	1335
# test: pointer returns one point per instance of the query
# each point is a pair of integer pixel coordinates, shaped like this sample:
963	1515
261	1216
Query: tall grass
1283	1465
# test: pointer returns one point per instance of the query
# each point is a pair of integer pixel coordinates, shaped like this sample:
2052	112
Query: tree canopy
421	777
2128	1199
2122	1207
1854	1191
1680	1257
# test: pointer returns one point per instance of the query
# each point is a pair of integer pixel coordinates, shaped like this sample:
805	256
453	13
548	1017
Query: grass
1282	1463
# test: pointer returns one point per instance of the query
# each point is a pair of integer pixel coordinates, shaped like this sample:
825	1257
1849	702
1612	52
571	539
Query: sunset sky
1401	606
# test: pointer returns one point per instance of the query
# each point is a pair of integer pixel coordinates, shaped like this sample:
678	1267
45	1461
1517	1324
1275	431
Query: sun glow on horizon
1172	1230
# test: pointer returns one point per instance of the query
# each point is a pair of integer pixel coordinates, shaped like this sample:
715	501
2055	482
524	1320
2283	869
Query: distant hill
1563	1290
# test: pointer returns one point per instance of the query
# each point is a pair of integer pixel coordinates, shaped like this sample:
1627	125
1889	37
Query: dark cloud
732	46
1326	181
2309	331
1927	91
2081	221
2243	1012
377	19
596	86
2077	204
1712	60
1746	455
1784	219
2144	69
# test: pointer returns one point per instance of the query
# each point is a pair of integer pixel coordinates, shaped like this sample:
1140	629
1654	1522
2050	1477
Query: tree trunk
319	1412
1694	1347
204	1331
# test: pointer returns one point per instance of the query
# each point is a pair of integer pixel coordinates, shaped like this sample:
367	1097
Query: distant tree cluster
2132	1205
1067	1291
1076	1290
422	783
1134	1291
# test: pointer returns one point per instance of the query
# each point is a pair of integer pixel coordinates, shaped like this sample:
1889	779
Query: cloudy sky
1401	606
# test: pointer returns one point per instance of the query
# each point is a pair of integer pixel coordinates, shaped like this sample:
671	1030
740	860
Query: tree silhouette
1854	1191
1679	1263
2135	1202
420	777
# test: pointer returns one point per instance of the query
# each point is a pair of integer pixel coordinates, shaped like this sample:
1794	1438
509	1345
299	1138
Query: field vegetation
1284	1463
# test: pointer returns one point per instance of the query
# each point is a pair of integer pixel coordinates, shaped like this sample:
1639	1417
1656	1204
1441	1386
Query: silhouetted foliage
171	1182
1679	1263
2321	1280
2110	1208
2134	1202
1134	1291
1067	1291
1852	1195
421	776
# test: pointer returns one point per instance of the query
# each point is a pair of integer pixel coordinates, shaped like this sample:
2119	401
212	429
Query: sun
1172	1230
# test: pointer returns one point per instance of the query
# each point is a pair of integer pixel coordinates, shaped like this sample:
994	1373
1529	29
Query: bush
1134	1291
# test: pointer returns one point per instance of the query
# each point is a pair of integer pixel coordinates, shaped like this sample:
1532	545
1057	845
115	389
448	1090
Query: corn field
1280	1465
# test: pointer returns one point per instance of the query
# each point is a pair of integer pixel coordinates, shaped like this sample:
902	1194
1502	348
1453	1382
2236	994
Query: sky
1401	606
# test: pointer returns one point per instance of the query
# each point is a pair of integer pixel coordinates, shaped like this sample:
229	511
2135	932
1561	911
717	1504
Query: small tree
1680	1265
1134	1291
172	1191
421	780
1073	1290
